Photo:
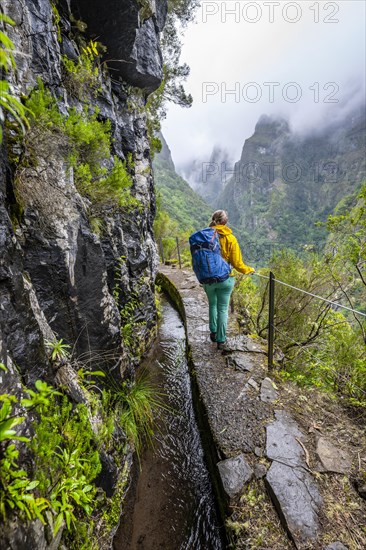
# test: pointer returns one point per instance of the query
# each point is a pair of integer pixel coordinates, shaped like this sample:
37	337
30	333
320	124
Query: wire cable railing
313	295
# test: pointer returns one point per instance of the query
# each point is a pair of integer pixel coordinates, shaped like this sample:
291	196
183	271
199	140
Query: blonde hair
219	217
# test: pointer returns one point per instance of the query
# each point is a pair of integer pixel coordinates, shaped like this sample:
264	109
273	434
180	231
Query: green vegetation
178	199
180	211
66	462
85	141
322	345
83	75
133	407
8	103
59	350
180	12
166	232
59	486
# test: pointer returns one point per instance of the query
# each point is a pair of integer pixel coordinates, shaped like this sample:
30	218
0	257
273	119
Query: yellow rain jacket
230	250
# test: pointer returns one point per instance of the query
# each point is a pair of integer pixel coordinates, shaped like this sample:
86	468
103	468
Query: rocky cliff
73	265
284	183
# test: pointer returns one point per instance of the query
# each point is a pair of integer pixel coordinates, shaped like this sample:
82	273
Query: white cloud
237	53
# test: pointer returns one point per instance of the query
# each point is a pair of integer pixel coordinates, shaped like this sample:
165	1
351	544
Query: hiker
218	293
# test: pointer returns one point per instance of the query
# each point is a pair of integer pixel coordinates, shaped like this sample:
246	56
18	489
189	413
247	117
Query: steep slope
284	183
177	197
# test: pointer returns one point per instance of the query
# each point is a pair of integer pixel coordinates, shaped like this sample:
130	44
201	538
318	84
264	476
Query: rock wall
59	277
72	270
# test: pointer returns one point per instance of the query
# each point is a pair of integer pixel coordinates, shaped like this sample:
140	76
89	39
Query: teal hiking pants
218	295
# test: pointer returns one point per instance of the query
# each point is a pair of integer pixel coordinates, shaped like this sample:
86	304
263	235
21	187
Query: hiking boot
213	336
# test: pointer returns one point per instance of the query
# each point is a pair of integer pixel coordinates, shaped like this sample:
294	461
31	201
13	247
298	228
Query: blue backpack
207	262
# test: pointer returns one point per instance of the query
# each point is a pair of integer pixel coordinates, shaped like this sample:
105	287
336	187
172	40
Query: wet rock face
58	278
130	35
72	271
20	333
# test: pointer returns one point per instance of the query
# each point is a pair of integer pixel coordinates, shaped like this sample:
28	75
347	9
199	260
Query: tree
346	253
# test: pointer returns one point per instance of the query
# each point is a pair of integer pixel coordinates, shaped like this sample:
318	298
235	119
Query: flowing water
173	506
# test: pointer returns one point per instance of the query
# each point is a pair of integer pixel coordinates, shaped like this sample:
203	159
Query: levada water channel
171	505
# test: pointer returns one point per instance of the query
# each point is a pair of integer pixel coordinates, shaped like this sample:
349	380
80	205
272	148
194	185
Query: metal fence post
180	263
162	251
271	319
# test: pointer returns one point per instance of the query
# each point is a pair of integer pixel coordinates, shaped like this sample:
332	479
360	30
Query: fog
304	61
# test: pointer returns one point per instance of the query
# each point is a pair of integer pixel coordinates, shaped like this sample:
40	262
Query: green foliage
346	249
67	461
176	198
114	188
16	489
180	211
65	456
87	144
61	491
8	420
56	21
43	105
134	406
8	103
322	347
129	324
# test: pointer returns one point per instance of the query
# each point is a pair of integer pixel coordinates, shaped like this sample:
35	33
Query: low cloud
312	74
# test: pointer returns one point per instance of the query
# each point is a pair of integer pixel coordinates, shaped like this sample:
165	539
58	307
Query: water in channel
173	505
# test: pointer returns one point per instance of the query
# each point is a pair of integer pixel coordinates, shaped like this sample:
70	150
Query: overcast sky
304	60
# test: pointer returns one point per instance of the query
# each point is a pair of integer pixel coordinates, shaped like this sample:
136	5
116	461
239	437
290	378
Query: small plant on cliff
113	188
58	350
145	9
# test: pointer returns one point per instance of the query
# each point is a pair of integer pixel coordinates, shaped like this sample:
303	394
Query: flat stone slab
292	488
297	500
336	546
281	440
235	473
268	391
240	361
251	384
244	343
332	458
